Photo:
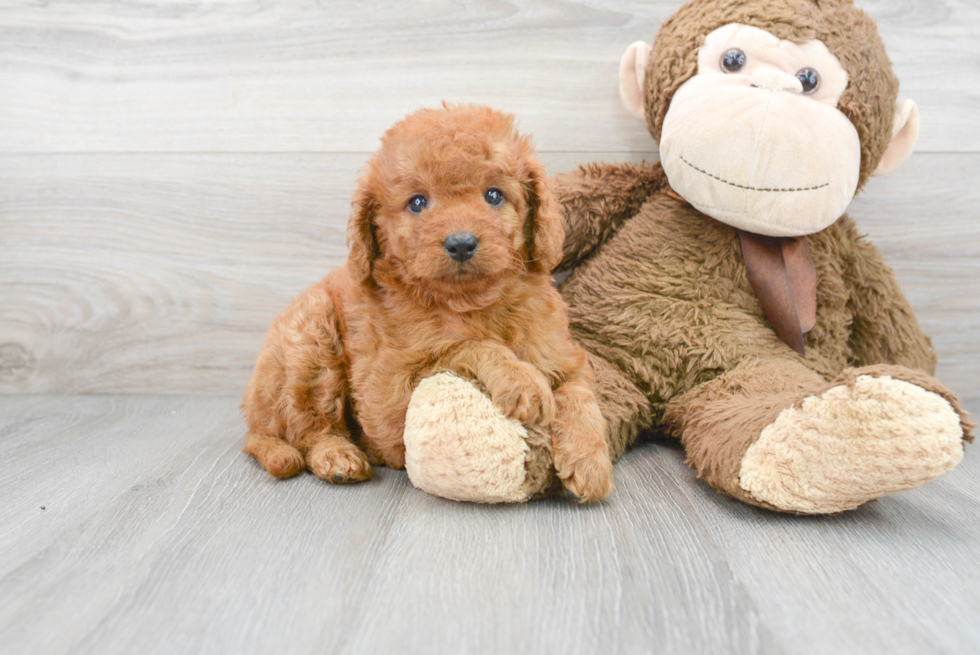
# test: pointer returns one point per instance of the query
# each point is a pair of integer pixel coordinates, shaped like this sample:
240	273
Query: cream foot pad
852	444
459	446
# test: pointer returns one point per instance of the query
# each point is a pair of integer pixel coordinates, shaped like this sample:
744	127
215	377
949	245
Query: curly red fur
348	353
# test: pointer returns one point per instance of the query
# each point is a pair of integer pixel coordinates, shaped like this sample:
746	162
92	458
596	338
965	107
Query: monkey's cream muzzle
750	149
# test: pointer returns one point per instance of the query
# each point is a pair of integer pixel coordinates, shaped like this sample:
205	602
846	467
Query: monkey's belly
668	301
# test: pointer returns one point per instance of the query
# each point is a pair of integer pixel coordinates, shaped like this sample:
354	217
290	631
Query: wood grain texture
304	76
160	536
161	273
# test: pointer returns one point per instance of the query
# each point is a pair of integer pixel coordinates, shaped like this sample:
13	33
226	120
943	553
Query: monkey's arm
596	199
885	330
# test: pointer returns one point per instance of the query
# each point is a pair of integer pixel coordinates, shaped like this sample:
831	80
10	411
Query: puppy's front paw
590	477
338	462
524	394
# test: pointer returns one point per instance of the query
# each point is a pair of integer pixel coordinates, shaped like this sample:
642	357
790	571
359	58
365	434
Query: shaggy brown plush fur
350	351
667	309
660	296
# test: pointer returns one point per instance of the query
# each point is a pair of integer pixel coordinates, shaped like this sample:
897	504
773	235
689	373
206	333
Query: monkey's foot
459	446
851	444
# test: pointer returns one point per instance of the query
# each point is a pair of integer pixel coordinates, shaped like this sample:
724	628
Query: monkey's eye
733	61
494	197
810	79
418	203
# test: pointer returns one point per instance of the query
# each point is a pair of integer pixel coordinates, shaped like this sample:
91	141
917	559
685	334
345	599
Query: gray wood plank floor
135	525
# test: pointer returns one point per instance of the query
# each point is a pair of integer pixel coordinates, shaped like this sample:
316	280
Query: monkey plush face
770	126
755	139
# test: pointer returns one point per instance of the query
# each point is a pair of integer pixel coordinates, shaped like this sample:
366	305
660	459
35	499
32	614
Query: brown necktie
784	279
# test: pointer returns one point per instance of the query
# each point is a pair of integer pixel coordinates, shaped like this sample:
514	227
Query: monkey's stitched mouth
752	188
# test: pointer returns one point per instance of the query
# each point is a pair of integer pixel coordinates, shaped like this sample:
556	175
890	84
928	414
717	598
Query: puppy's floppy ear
361	237
544	230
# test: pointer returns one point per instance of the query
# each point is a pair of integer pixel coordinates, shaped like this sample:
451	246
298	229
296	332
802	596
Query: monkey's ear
904	135
632	70
361	233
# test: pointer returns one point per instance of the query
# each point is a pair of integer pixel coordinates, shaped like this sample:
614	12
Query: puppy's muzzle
461	246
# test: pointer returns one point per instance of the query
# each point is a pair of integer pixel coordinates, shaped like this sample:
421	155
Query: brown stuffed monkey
730	302
724	297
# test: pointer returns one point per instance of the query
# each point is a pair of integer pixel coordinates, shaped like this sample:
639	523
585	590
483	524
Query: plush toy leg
625	408
874	431
459	446
775	434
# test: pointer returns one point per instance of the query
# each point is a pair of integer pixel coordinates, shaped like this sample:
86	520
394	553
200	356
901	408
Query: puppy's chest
454	327
450	328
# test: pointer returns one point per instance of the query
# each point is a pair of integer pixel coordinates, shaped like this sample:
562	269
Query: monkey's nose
461	245
765	77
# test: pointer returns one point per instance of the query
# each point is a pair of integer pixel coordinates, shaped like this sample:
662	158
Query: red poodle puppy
452	236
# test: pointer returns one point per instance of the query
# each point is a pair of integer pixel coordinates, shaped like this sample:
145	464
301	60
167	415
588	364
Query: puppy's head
454	205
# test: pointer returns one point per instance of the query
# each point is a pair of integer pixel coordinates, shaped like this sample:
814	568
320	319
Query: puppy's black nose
461	245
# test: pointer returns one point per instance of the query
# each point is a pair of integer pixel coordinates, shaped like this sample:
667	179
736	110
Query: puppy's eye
810	80
733	60
494	197
418	203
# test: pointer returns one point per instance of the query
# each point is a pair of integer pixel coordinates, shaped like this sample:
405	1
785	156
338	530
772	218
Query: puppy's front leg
388	386
516	388
578	439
